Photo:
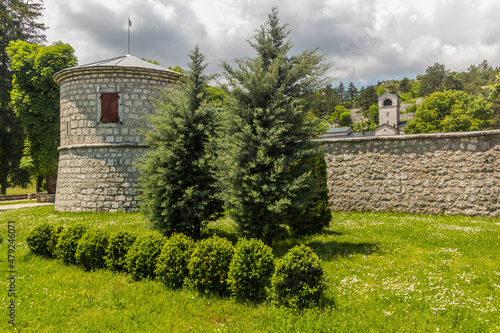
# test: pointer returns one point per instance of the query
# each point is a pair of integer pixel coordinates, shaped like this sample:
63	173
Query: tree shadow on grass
230	236
329	250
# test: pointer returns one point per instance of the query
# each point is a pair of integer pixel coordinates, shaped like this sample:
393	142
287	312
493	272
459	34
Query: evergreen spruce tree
178	186
266	142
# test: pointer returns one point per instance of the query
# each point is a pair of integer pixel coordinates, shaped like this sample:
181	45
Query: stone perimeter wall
450	173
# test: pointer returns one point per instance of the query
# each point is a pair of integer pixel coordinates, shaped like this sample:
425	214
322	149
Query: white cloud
368	40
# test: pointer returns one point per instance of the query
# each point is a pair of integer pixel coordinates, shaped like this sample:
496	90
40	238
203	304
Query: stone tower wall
389	114
96	162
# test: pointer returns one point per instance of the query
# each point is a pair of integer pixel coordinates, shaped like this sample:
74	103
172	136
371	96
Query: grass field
17	202
19	190
386	273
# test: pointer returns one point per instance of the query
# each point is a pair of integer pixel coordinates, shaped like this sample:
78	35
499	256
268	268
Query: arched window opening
388	102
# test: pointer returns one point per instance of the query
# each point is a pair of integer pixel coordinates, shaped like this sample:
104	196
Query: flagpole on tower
129	25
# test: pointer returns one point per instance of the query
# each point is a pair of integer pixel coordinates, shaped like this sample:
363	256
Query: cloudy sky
367	40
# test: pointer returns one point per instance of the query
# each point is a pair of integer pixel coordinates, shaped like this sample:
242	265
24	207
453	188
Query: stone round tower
103	109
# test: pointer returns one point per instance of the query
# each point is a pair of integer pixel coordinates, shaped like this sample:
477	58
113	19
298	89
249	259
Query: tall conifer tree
178	186
266	182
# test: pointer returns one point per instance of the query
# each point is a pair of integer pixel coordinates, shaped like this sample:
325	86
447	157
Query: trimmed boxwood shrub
209	266
68	242
172	264
251	269
91	250
298	281
119	244
142	256
40	237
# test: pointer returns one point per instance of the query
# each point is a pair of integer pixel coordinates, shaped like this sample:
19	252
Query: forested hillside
442	100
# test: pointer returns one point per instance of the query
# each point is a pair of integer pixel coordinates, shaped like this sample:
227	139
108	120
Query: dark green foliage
209	266
118	246
172	264
68	242
250	271
298	281
367	97
142	256
266	132
41	239
179	188
91	250
405	85
352	92
317	214
35	98
19	20
433	79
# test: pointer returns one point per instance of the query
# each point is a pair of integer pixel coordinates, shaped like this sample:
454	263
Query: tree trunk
3	185
51	183
39	180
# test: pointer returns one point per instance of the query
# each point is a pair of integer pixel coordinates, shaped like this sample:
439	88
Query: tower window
109	108
388	102
387	114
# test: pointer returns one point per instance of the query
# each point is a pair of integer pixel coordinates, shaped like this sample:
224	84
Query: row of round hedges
91	248
246	272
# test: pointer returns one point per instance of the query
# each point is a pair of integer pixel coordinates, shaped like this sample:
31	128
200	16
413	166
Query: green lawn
8	203
19	190
386	273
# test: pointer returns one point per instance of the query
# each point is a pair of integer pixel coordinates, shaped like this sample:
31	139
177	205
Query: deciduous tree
35	98
18	20
450	111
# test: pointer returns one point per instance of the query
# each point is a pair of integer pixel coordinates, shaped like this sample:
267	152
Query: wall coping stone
413	136
105	145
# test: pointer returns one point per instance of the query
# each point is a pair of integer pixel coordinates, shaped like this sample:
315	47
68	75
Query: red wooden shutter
109	107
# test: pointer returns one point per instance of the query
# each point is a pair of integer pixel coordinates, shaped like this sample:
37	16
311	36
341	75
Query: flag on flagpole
129	22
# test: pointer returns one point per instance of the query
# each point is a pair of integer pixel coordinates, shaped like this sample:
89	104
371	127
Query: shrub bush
250	271
209	266
40	239
171	267
118	247
91	250
298	281
317	215
142	256
68	242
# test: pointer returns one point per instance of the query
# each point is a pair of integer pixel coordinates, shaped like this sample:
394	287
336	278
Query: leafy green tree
337	114
35	98
176	69
493	91
450	111
18	20
179	192
265	180
433	79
